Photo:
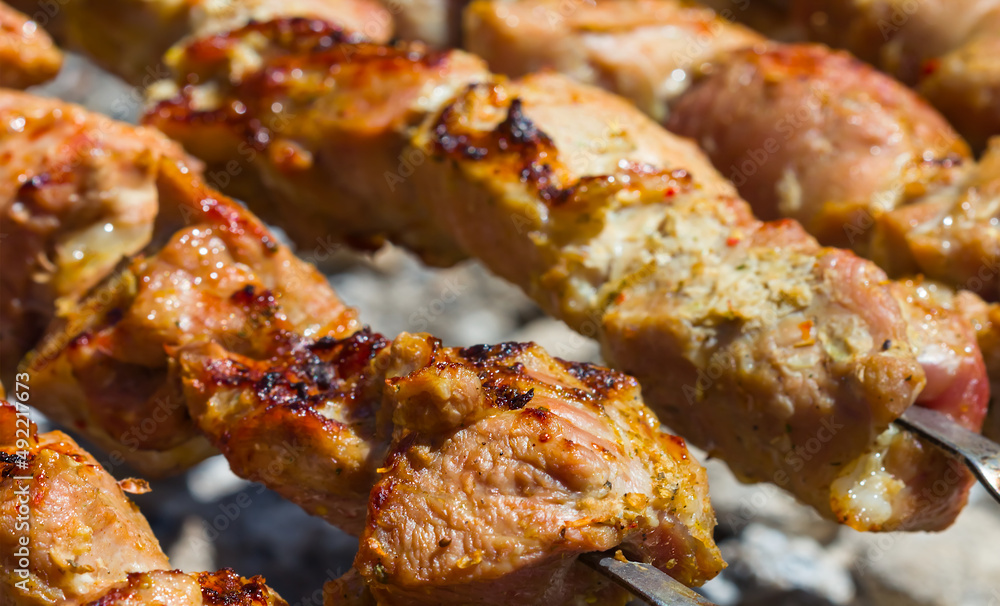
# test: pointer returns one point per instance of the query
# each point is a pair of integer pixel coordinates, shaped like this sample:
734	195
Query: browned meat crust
492	466
27	55
130	37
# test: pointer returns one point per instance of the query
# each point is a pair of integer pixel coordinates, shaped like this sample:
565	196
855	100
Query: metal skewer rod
643	580
980	454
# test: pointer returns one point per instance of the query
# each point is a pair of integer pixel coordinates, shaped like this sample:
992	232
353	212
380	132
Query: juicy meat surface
859	159
946	48
609	222
492	467
109	365
648	51
211	271
84	533
77	194
27	55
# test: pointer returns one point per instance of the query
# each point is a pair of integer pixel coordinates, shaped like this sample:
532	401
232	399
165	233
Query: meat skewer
523	153
69	535
247	345
804	132
786	123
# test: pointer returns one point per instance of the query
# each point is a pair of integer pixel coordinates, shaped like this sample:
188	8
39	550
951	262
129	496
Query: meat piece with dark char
489	468
130	37
211	270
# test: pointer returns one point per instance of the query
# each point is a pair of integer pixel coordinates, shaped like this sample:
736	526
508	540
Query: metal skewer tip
980	454
643	580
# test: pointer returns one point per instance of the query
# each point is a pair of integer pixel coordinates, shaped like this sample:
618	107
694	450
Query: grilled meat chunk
78	192
84	534
276	374
213	272
946	48
27	55
88	543
859	159
785	123
609	222
492	466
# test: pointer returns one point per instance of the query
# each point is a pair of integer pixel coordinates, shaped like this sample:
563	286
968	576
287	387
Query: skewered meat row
786	123
84	542
947	49
379	99
218	329
27	55
802	131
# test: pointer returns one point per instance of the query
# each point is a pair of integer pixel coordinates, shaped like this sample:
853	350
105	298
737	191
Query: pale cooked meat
859	159
129	37
602	217
27	55
78	192
649	51
818	136
946	48
84	534
86	542
503	463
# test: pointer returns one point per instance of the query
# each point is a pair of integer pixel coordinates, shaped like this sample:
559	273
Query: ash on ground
779	552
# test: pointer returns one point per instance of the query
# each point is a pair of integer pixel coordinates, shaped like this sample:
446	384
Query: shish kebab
808	351
802	131
482	471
